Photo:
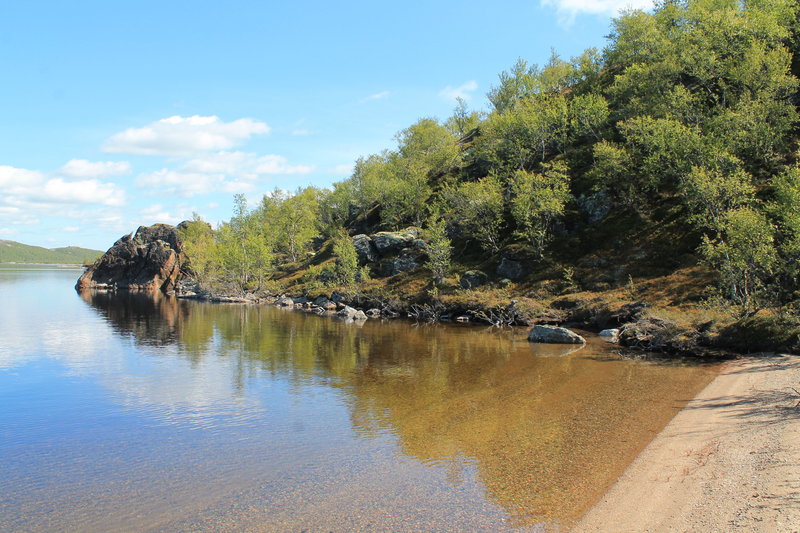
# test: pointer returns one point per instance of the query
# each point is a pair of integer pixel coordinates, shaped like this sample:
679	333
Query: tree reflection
548	428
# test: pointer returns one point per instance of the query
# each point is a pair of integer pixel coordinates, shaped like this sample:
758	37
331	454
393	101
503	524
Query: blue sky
114	115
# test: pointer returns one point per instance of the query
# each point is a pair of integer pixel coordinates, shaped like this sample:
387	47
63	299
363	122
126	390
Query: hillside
660	173
15	252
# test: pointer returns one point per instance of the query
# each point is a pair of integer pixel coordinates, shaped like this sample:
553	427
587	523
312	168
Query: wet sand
729	461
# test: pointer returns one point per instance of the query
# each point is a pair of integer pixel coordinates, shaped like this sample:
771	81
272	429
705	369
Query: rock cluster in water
148	260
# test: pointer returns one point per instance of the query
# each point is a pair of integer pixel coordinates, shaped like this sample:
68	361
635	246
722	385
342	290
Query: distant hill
15	252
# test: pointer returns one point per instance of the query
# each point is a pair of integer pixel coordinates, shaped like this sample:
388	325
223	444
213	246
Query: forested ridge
671	154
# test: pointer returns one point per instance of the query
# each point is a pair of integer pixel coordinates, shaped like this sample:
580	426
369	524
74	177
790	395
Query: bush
762	333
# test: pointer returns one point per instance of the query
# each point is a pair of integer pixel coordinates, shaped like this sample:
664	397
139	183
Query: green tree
439	248
346	259
201	249
245	247
462	121
743	254
538	199
478	208
293	219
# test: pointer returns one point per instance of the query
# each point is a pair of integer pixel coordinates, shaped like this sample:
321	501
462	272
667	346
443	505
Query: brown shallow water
130	413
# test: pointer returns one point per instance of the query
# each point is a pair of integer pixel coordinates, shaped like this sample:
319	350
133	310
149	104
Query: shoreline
728	461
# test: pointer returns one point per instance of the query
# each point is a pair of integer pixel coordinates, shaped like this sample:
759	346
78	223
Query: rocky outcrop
595	207
148	260
473	279
511	268
388	242
554	335
391	252
365	248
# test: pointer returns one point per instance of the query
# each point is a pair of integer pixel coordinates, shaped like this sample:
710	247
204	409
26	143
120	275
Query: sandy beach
729	461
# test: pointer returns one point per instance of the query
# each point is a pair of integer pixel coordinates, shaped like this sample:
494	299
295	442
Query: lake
134	413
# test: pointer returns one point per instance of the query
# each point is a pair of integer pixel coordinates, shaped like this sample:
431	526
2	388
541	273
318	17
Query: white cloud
184	136
27	188
343	170
377	96
157	213
8	232
301	132
277	164
25	219
462	91
18	178
182	183
72	229
81	168
59	191
220	171
568	9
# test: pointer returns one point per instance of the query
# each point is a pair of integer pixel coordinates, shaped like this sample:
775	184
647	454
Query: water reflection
545	428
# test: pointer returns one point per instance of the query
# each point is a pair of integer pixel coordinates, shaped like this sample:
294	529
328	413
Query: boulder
472	279
367	253
349	313
148	260
346	312
595	207
420	245
407	259
610	335
511	268
554	335
389	242
374	313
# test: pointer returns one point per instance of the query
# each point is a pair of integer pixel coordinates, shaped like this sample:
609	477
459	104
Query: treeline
695	104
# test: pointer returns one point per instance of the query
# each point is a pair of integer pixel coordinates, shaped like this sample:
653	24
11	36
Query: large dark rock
367	253
390	242
473	279
148	260
511	268
554	335
595	207
407	259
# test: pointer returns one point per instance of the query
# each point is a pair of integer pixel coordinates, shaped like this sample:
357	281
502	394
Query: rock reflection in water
547	427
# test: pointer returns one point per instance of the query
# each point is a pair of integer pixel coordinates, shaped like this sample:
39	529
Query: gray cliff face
148	260
391	252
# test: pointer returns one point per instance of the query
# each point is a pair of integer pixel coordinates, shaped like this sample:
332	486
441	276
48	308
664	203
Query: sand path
728	462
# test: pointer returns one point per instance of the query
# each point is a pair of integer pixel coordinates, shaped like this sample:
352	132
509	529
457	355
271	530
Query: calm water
125	413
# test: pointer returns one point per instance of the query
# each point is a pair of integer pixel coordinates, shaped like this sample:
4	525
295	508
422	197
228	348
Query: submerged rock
148	260
554	335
